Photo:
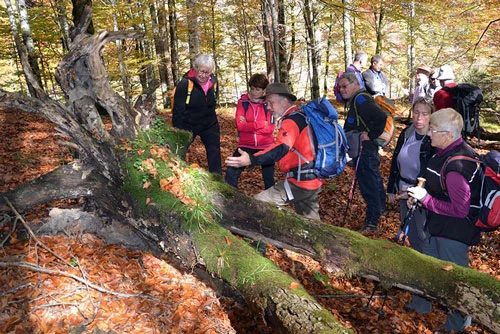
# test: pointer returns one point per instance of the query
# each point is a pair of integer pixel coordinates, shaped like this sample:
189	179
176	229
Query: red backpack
488	219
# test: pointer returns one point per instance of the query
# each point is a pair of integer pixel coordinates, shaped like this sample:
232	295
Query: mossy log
344	252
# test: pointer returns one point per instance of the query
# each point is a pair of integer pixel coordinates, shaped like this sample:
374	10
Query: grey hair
360	55
376	59
349	76
204	60
448	119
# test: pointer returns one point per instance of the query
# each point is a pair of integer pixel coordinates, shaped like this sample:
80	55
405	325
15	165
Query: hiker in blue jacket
409	161
368	173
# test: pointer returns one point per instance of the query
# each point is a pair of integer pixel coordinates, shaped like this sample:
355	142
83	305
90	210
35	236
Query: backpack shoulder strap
359	118
190	89
246	104
450	160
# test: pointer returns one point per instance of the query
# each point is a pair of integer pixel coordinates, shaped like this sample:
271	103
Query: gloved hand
417	193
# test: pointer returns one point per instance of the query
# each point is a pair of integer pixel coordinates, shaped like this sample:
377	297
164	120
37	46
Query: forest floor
140	293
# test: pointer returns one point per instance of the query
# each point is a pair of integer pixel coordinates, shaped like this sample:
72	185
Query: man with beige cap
422	79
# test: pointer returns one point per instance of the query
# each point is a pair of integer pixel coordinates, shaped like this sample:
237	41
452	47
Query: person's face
377	66
421	118
439	138
422	77
256	93
362	62
347	89
203	74
277	104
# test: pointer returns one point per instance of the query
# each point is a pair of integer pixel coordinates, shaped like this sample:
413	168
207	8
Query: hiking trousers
210	137
371	186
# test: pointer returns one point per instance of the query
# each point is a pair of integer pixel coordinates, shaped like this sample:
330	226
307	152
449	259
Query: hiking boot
368	228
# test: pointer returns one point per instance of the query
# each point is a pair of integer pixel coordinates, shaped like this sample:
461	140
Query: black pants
210	137
233	173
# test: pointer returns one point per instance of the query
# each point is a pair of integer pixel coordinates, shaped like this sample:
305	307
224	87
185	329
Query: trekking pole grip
421	181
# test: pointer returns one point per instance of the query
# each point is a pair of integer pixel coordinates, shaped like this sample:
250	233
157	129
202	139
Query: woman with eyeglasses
451	197
194	103
409	161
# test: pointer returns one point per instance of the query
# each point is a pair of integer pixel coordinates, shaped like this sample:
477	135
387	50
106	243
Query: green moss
151	162
238	263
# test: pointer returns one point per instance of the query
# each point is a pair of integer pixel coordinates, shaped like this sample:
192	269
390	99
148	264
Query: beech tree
107	176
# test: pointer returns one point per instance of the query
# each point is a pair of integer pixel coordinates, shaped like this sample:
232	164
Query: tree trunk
347	32
310	18
193	30
34	87
172	20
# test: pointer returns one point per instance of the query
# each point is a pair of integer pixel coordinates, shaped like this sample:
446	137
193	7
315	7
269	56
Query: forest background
305	43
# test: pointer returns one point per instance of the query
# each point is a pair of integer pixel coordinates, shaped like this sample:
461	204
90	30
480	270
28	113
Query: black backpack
466	100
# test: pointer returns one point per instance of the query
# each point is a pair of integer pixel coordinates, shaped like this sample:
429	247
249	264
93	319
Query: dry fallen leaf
448	267
294	285
228	241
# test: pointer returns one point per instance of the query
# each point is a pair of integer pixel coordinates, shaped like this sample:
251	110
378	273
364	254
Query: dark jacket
199	112
426	152
440	225
372	115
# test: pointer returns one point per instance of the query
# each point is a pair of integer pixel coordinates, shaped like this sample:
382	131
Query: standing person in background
451	197
409	162
195	100
368	173
255	129
434	84
360	60
376	82
422	81
442	98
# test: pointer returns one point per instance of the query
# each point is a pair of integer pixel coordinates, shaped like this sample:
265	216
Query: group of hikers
439	226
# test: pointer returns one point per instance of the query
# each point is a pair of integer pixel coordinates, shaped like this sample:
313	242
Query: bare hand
391	198
241	161
364	136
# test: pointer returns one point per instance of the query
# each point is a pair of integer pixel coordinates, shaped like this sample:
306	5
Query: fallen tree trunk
344	252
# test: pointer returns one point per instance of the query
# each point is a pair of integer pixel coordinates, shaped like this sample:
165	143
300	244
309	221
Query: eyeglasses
431	130
344	86
204	72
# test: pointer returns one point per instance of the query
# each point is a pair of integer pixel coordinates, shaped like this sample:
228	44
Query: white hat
446	73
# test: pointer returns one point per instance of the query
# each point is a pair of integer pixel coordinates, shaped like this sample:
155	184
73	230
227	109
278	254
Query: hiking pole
405	224
353	186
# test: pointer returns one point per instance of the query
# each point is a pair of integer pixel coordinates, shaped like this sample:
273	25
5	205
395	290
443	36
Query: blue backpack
330	142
